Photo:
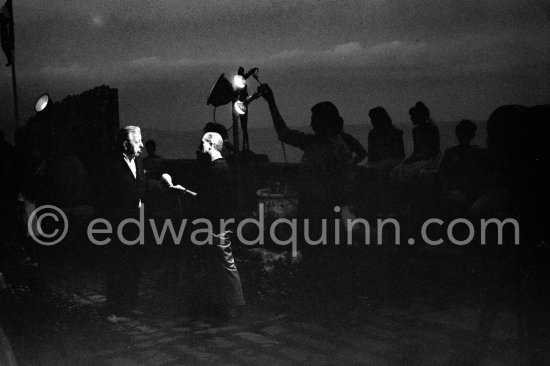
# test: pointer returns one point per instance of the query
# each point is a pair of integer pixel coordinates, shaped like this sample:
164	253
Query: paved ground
68	329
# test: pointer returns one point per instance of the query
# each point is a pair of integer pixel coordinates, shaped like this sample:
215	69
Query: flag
6	31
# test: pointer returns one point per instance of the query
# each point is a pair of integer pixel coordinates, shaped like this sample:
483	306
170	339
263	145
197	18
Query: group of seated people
468	179
332	157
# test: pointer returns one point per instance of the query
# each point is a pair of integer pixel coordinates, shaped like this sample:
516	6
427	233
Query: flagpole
13	77
14	85
7	37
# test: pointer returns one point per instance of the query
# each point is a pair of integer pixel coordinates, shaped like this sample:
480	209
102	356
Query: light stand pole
241	95
224	92
236	143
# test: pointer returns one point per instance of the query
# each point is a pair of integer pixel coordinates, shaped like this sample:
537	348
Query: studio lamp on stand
224	92
240	110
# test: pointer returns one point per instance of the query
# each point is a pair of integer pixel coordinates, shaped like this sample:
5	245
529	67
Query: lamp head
42	103
240	107
240	79
221	93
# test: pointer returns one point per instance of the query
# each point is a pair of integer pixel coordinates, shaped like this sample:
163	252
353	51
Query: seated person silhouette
514	269
426	151
152	162
386	148
462	170
385	151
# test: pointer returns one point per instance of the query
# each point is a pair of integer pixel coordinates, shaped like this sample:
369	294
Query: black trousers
212	278
124	267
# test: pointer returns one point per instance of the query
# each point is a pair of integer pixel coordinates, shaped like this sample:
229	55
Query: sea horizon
175	144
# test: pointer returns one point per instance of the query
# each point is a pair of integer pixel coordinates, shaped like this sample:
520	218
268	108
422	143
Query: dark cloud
95	31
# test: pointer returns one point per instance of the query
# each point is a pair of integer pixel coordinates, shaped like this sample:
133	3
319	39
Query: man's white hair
215	139
125	132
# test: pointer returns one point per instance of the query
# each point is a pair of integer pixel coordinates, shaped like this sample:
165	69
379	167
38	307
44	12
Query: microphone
168	180
180	188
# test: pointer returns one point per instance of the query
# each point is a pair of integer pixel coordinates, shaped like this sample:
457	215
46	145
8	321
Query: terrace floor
413	308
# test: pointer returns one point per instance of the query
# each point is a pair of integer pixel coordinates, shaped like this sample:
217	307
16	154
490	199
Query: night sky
462	58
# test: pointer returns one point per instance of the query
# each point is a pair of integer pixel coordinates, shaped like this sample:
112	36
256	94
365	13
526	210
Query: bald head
213	140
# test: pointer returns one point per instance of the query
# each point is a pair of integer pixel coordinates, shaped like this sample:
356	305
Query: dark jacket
121	192
216	191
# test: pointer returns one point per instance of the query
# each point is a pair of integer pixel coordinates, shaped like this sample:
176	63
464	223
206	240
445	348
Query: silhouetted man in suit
123	185
221	290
